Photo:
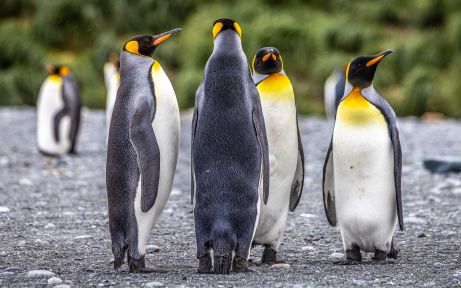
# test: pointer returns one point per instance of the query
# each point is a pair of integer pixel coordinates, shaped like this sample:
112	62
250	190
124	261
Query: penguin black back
226	152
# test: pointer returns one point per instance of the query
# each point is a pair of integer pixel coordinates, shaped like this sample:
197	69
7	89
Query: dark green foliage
421	75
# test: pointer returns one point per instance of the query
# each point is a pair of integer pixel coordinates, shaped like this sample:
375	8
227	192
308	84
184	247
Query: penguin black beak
164	36
378	58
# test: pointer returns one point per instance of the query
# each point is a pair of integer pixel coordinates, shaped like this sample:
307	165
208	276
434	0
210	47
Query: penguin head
267	61
361	71
225	24
145	45
58	70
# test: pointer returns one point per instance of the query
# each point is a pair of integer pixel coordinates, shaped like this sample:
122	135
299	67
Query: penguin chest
166	128
281	127
49	104
363	173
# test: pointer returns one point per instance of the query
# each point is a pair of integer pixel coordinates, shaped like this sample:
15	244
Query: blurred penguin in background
333	91
112	81
58	112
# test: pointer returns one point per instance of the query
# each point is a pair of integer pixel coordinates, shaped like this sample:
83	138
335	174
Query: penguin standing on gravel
112	81
334	91
58	112
142	149
363	167
230	160
286	155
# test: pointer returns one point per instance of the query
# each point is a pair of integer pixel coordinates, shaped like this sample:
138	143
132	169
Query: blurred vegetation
313	36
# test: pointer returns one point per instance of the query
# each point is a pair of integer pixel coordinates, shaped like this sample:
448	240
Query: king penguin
230	160
363	167
334	91
286	155
142	149
58	112
112	81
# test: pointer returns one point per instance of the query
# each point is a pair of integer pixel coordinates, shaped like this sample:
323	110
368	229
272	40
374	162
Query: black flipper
389	115
148	153
258	122
328	185
73	101
298	180
198	97
57	121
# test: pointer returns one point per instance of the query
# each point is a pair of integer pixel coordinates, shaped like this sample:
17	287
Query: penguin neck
258	78
227	41
132	64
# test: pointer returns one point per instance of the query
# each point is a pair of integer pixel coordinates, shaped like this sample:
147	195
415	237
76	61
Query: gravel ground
53	217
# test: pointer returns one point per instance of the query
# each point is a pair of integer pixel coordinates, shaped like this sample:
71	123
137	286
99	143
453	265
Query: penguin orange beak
164	36
268	55
378	58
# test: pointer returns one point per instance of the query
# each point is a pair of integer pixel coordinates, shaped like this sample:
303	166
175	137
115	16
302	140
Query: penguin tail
222	264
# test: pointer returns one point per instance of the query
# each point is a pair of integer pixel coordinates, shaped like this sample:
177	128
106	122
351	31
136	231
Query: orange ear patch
238	29
64	71
132	47
217	28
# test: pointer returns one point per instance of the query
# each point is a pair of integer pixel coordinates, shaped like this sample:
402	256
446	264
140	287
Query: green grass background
423	74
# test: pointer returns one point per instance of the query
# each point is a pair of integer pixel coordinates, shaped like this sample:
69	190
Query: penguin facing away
112	81
58	112
230	162
363	167
142	149
334	91
286	155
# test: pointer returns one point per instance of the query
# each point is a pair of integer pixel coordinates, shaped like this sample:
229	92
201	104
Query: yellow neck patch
54	78
276	87
355	109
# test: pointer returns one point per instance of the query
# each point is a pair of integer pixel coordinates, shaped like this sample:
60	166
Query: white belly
49	103
364	184
280	120
112	80
166	129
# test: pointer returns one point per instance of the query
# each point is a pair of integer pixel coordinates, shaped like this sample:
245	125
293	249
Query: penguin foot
240	265
138	265
380	257
270	257
353	256
394	252
222	264
204	264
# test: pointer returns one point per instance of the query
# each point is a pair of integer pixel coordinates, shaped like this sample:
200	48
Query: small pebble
153	248
154	284
22	243
83	237
422	235
310	248
25	182
50	226
4	209
39	273
281	265
54	281
336	255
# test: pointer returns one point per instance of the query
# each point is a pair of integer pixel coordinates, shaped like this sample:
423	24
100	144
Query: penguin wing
328	186
260	128
198	98
298	180
71	97
148	153
389	115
